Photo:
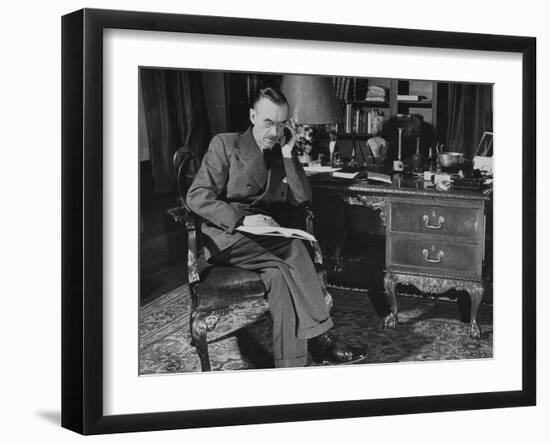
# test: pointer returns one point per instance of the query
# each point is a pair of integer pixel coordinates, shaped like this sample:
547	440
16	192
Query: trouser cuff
291	362
315	330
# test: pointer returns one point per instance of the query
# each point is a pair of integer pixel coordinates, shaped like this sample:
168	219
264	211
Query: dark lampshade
311	99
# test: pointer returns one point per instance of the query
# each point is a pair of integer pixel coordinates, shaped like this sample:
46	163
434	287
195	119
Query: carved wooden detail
192	255
199	332
402	190
432	274
390	321
433	285
375	202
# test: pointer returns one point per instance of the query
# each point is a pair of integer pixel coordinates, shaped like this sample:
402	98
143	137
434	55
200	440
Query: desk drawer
464	221
439	257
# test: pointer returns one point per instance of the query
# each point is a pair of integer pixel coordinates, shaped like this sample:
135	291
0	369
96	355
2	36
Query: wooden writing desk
435	240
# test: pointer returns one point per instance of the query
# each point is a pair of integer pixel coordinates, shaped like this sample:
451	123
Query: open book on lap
277	231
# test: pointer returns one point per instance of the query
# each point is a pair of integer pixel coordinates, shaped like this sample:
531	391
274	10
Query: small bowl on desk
450	161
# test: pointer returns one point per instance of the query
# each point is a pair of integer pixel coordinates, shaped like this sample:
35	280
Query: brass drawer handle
426	219
432	260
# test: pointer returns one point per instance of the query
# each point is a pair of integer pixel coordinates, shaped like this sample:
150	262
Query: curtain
175	115
470	113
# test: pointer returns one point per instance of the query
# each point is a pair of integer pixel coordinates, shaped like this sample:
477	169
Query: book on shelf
349	122
347	81
341	87
368	122
277	231
375	99
336	84
368	128
357	121
410	98
376	93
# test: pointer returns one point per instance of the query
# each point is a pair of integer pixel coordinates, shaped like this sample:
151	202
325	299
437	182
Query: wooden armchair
224	298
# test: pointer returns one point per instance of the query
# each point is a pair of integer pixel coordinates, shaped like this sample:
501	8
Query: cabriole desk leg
476	291
390	283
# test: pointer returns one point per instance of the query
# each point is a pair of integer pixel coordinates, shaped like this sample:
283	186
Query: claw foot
390	321
474	331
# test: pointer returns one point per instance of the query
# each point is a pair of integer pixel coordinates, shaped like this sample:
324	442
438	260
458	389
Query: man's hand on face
259	220
287	148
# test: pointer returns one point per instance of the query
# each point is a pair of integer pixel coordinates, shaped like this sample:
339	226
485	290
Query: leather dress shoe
327	349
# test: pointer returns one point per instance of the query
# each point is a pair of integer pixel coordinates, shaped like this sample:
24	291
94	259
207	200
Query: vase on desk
398	164
304	159
417	158
305	138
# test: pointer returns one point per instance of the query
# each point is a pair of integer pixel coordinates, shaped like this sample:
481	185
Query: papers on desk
484	164
310	170
379	177
353	173
362	174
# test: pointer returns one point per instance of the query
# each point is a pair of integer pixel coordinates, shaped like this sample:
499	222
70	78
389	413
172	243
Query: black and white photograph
293	220
266	222
311	231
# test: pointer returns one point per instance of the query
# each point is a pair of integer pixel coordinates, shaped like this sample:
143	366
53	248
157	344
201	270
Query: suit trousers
295	296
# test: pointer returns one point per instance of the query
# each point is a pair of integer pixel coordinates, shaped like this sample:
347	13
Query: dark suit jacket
233	181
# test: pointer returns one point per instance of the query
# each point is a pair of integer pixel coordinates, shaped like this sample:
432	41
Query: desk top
406	185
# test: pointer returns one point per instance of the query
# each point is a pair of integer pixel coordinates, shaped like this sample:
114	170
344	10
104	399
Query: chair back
186	163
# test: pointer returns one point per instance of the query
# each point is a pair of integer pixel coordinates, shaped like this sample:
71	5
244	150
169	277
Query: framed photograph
184	138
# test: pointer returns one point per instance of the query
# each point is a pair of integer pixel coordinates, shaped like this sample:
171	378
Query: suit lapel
252	158
274	177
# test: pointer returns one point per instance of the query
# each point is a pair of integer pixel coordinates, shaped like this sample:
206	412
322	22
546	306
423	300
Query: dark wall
214	96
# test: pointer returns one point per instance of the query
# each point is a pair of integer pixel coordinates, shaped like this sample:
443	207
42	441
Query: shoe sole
351	362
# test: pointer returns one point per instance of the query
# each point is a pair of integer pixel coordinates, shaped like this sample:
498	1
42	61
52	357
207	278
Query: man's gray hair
272	94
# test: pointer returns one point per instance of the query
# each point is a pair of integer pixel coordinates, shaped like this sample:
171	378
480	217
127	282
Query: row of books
351	88
348	88
361	121
342	86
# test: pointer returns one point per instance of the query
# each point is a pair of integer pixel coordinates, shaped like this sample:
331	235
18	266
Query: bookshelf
400	98
350	91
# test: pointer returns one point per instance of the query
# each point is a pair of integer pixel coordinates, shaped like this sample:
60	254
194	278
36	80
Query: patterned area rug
428	329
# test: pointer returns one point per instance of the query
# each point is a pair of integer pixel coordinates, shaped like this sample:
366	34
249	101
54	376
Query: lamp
311	100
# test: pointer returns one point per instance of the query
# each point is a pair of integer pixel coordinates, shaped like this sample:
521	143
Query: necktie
268	153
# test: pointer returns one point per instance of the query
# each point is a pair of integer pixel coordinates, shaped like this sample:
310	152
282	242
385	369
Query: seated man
242	179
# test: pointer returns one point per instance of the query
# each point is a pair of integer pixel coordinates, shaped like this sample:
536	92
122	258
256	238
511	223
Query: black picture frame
82	215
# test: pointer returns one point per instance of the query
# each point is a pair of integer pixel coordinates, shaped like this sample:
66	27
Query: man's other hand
259	220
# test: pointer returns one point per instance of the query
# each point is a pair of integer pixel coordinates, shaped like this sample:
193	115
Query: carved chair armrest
309	218
318	257
316	249
181	214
